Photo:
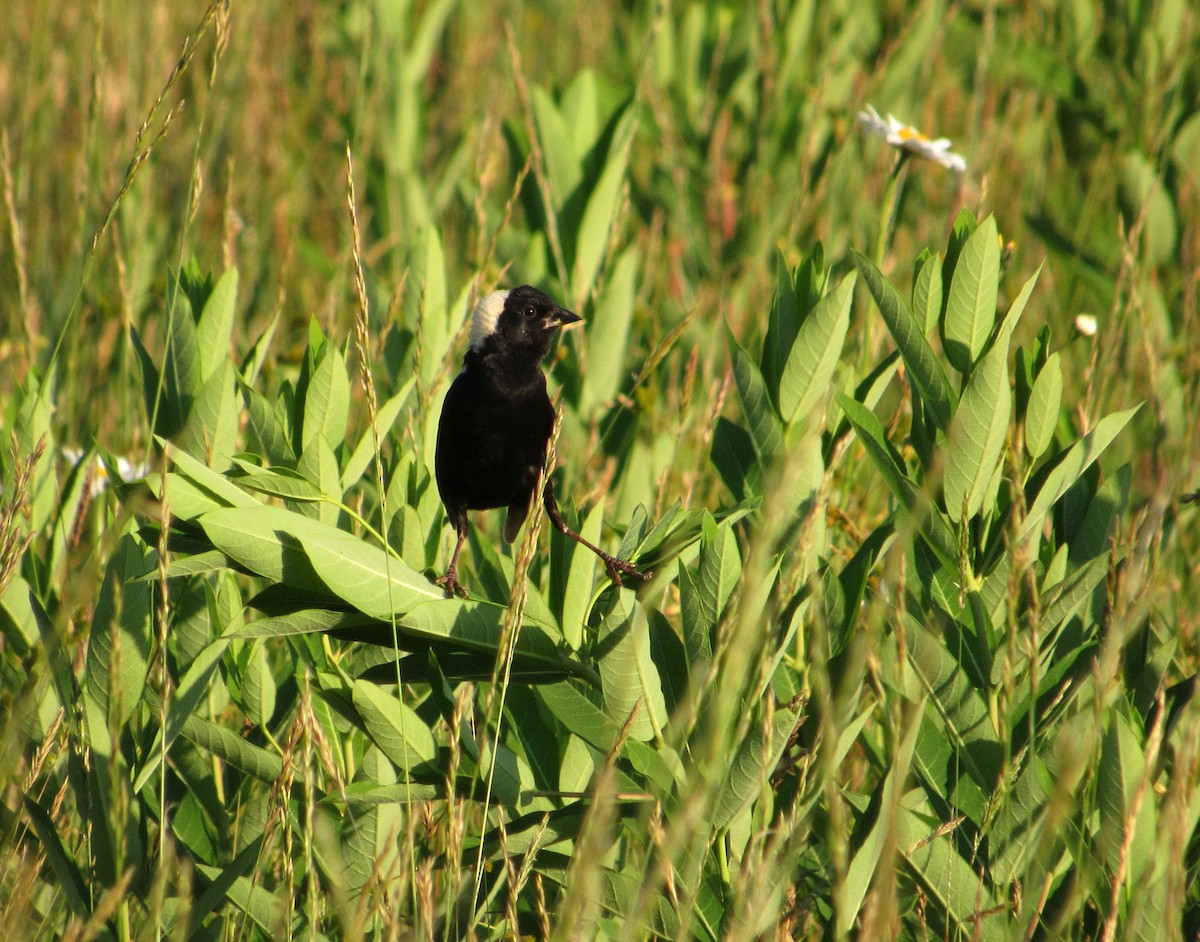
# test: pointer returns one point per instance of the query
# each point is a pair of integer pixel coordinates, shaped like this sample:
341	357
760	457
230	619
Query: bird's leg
449	581
612	564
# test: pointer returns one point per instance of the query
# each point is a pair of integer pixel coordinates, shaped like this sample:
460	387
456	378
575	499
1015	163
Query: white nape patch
487	313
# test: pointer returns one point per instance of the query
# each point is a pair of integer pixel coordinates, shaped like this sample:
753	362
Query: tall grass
920	652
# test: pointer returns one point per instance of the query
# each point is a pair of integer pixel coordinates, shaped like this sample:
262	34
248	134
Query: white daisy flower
128	470
907	138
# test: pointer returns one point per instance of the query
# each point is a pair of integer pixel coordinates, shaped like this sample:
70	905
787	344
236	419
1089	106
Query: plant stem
891	198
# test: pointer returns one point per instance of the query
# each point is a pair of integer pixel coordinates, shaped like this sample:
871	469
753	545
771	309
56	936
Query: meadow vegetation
913	454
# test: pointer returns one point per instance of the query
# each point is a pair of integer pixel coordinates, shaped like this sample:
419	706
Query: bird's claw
616	567
450	583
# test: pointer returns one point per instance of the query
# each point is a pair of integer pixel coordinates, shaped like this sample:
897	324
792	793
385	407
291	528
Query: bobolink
497	420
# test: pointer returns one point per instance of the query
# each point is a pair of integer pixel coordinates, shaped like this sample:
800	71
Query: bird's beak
563	318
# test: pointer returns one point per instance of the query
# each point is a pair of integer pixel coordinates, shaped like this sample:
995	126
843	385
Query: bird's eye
531	311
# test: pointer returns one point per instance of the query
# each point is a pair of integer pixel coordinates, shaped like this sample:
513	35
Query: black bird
497	420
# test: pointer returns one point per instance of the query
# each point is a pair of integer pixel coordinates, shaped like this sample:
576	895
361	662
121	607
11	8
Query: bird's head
519	322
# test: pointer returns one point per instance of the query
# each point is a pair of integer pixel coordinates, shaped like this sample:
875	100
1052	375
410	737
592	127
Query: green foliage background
920	653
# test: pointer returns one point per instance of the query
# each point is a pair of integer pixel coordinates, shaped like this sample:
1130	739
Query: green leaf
364	451
971	304
580	574
287	547
66	872
608	333
214	331
954	889
214	485
1041	414
1123	816
976	439
814	355
119	646
1077	459
1017	308
394	727
923	366
268	428
326	400
232	748
258	685
562	166
629	674
280	482
756	404
213	420
752	765
889	463
192	689
927	293
579	714
851	892
598	217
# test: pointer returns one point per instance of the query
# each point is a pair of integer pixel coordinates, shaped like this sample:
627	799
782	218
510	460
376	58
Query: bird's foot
616	567
450	583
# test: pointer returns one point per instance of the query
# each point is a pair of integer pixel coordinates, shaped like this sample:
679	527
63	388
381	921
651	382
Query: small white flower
128	470
1086	324
906	137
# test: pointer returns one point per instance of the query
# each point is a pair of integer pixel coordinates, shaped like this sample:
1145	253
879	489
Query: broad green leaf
192	689
954	889
252	363
320	466
1077	459
927	293
394	727
608	333
630	677
326	400
435	316
971	304
68	879
181	373
580	578
562	167
232	748
755	760
1124	818
267	427
368	794
814	355
960	709
360	460
214	331
120	642
258	685
577	766
976	439
280	482
262	907
287	547
756	404
213	420
213	483
889	463
1041	414
213	898
592	240
1016	309
923	366
851	892
19	615
579	714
